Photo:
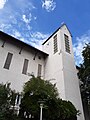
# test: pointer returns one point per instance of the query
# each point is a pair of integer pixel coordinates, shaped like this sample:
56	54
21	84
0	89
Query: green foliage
68	109
86	55
6	113
39	87
84	74
37	90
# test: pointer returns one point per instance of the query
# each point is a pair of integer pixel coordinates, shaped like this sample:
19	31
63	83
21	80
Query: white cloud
2	3
27	20
37	38
78	47
17	34
13	19
49	5
39	35
24	4
22	14
2	26
29	27
20	24
35	17
5	27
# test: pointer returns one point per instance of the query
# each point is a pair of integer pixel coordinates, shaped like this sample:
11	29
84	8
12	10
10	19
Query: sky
33	21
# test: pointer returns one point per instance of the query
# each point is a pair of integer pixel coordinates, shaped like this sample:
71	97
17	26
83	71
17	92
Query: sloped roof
7	37
55	32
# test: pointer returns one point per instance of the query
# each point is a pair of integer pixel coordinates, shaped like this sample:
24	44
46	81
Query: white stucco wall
61	67
54	73
72	91
54	66
58	68
14	74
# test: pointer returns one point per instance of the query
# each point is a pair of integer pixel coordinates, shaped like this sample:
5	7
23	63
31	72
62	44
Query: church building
55	62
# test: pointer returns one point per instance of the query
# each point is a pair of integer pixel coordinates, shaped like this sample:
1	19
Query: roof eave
3	35
55	32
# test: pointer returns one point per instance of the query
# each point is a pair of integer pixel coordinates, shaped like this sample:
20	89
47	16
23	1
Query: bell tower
60	66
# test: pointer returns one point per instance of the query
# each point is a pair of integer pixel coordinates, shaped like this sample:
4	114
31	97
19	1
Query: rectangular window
67	46
55	44
8	61
17	99
39	70
25	66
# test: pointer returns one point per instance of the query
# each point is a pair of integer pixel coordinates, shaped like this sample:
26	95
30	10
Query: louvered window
67	45
55	44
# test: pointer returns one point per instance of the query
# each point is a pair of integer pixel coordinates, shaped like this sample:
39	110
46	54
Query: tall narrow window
25	66
39	70
55	44
67	46
8	61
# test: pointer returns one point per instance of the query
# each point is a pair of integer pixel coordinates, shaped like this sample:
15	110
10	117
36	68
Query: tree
6	113
37	90
84	76
84	73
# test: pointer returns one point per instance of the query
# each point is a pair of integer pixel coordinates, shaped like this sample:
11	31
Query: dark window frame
55	44
39	70
25	66
67	44
8	61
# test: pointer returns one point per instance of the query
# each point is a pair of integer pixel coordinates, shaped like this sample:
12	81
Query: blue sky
33	21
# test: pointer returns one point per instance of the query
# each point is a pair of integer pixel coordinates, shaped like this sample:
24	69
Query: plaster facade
59	68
